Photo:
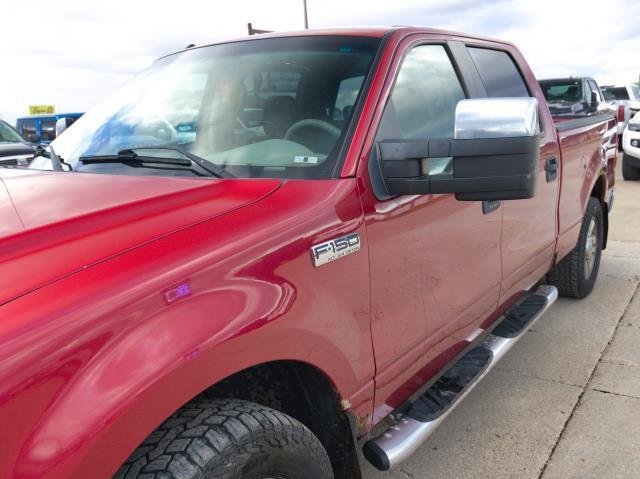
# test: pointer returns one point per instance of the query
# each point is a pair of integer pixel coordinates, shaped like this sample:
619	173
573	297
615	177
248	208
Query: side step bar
415	425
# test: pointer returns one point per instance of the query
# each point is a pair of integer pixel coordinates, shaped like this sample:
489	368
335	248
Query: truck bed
587	144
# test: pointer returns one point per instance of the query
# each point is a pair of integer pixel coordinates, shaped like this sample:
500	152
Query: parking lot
565	401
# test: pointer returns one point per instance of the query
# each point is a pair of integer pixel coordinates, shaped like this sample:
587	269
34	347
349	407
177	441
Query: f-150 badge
334	249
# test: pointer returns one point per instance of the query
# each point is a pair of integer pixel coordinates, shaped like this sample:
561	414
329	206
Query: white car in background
626	99
631	147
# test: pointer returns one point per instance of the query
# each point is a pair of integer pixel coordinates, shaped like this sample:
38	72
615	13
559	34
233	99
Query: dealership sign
42	109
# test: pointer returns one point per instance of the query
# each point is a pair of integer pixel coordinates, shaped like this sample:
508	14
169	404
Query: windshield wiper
129	154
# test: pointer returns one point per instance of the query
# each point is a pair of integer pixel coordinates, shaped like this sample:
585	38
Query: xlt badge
334	249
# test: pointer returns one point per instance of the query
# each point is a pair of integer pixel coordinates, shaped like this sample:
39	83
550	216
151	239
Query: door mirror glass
496	118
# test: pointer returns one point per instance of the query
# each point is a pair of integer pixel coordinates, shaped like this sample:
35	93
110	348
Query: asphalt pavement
565	401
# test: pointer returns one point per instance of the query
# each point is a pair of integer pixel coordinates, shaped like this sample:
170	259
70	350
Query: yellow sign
42	109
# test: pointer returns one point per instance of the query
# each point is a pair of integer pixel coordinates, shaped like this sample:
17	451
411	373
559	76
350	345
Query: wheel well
598	191
304	393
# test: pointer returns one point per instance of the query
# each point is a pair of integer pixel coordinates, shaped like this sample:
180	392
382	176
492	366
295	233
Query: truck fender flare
98	419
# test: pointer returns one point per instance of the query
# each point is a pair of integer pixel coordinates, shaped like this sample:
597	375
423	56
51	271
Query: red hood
74	220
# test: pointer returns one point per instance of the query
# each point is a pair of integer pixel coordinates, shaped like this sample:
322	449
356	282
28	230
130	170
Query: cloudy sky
73	53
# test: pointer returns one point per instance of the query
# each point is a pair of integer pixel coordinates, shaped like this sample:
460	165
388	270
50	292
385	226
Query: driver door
434	260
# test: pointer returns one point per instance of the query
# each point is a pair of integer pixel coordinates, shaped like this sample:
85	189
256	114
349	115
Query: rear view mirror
494	153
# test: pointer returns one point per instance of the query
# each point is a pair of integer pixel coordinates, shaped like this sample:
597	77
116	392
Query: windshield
561	90
617	93
8	134
261	108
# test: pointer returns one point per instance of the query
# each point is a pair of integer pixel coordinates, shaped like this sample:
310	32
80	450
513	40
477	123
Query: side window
423	101
499	74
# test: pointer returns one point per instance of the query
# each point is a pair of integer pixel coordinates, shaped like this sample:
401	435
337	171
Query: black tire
571	275
228	439
629	172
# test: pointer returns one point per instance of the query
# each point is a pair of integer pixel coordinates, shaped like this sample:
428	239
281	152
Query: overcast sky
73	53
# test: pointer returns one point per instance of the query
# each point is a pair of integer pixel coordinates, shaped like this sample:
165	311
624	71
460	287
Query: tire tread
201	437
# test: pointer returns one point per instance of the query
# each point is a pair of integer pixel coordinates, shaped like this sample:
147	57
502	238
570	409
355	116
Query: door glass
423	102
499	74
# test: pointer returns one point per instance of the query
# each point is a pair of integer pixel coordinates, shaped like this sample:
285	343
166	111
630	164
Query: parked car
626	99
574	96
14	150
260	298
42	128
631	147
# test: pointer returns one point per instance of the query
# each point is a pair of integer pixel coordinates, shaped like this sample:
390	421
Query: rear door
529	227
434	261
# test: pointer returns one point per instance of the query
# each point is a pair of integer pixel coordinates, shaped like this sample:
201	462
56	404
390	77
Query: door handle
551	167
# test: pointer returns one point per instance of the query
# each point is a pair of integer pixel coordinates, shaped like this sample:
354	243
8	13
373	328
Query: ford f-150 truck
264	256
575	96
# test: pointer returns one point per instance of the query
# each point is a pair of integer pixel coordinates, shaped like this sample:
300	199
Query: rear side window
617	93
499	74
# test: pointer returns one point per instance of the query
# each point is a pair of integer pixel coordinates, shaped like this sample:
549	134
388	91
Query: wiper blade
124	156
129	154
203	163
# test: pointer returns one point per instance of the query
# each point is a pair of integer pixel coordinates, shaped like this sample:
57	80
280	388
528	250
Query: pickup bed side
588	149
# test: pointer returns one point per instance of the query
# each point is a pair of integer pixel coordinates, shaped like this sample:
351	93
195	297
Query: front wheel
575	275
228	439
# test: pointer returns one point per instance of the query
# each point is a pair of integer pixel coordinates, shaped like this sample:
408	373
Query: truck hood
70	221
9	151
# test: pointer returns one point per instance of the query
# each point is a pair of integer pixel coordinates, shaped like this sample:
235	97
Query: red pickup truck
263	255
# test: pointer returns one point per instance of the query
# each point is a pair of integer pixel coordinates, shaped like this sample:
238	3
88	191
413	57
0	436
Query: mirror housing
494	153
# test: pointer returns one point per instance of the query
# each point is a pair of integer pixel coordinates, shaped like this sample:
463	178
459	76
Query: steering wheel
163	130
295	129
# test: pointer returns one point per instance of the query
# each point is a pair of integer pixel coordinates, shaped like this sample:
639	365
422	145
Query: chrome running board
415	425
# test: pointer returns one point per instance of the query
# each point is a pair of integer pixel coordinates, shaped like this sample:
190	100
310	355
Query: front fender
97	360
